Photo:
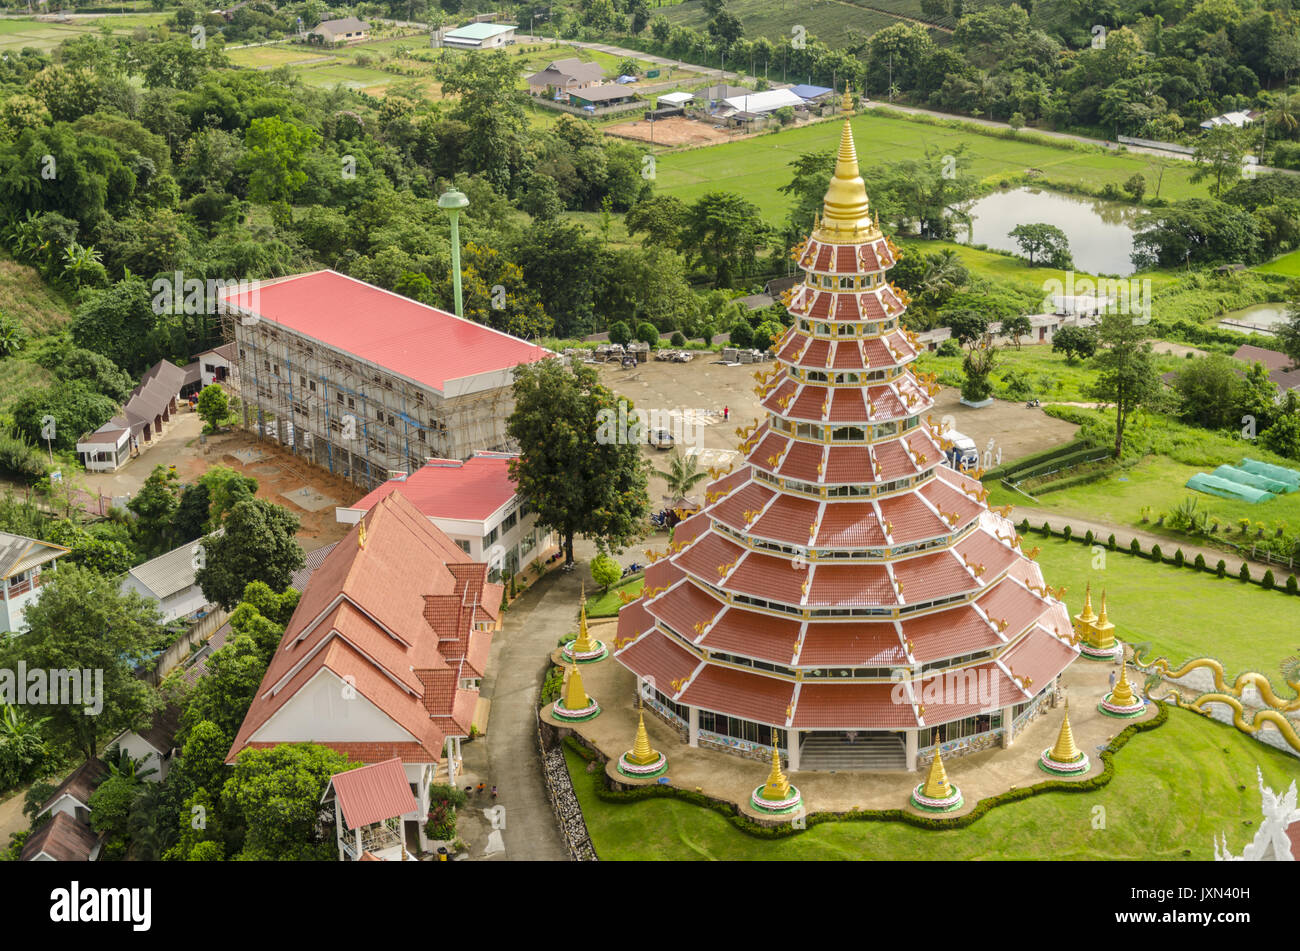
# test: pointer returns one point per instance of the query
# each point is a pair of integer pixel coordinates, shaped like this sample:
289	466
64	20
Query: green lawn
26	297
19	34
607	604
1175	788
1287	264
756	167
1008	267
1182	613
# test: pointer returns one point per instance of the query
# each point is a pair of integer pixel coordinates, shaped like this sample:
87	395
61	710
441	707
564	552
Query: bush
742	334
949	348
620	333
1244	573
1047	529
1267	581
677	340
1178	558
1156	554
1221	569
1291	586
647	333
605	571
1110	542
1199	563
1135	547
20	458
1065	533
1089	538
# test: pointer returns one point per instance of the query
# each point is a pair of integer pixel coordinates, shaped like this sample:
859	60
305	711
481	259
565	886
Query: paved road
508	756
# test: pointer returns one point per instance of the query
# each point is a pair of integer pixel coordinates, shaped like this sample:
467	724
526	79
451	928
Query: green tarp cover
1202	482
1281	473
1233	474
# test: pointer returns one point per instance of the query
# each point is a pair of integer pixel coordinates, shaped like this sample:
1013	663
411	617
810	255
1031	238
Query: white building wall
322	712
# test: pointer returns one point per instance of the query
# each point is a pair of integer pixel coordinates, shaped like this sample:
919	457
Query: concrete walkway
1124	537
11	816
508	756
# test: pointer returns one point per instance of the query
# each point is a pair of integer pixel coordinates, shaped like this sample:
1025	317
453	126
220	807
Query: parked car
661	439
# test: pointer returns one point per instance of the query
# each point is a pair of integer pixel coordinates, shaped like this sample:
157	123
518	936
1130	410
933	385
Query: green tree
226	488
723	233
579	473
155	507
1017	326
192	513
258	544
213	407
605	571
968	327
1126	374
682	475
490	103
1136	186
24	754
275	795
1077	343
275	159
1209	391
75	408
978	365
83	622
1043	244
647	333
1219	153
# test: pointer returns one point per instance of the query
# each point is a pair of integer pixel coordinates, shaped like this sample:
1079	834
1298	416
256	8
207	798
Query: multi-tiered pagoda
844	595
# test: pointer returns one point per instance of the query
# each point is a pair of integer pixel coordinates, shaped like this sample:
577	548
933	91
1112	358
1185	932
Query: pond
1260	316
1100	232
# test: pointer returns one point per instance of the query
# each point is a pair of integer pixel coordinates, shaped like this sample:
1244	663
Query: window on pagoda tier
911	423
823	328
847	283
805	325
739	729
846	378
848	434
827	281
884	429
847	330
808	430
869	329
815	376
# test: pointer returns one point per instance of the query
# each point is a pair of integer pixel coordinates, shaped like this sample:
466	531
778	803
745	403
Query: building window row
848	328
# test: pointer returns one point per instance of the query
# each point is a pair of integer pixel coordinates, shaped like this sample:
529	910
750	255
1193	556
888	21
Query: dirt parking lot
690	397
675	130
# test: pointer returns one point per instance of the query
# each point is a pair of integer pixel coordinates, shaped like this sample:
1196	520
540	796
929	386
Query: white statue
1271	842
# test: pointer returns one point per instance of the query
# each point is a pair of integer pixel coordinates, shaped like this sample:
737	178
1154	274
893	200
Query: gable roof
760	102
81	782
160	384
1272	359
63	838
479	31
372	793
343	25
404	337
563	71
449	488
170	572
397	619
19	553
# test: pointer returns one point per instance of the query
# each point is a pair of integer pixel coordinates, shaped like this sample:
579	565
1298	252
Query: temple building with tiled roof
384	654
844	594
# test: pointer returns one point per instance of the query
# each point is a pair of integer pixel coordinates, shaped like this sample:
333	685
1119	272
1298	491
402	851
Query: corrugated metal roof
19	553
170	572
372	793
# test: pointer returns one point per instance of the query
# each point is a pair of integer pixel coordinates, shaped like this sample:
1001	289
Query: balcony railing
374	838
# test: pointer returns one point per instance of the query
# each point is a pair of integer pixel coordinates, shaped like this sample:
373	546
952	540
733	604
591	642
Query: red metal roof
421	343
372	793
447	488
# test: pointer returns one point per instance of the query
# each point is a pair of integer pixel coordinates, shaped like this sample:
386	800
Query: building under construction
366	383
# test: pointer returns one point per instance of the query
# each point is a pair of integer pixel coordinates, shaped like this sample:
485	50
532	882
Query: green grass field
1181	612
607	604
20	34
1175	788
756	167
1287	264
825	20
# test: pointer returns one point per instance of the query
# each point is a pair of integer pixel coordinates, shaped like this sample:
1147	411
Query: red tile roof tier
963	692
63	838
753	634
763	583
394	619
851	644
445	488
656	655
739	693
377	752
952	632
689	529
634	620
1039	657
372	793
421	343
873	706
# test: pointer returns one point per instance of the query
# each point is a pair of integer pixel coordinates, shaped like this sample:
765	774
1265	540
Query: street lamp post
453	202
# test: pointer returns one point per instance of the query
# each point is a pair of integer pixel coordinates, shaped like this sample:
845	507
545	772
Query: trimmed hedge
750	827
1042	459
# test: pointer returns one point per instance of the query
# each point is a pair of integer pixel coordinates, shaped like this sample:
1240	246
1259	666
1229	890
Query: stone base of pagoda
1110	654
1075	768
776	807
929	804
599	652
642	771
564	714
1135	709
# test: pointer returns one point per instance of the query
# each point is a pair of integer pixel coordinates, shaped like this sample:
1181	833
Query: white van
963	454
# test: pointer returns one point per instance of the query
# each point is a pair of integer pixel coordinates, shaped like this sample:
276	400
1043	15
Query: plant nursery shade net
1226	489
1280	473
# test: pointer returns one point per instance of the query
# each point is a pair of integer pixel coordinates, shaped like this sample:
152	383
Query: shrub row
1078	456
1033	459
1267	580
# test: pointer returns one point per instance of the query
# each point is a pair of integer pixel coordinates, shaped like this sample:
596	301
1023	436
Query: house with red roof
383	656
475	503
365	382
368	807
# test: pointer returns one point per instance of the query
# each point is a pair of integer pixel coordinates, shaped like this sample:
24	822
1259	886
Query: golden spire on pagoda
575	697
1065	751
1122	695
777	786
846	101
1086	614
845	208
1101	618
583	644
936	783
642	754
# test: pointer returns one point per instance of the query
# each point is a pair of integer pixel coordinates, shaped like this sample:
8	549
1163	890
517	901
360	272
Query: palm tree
22	747
122	763
682	475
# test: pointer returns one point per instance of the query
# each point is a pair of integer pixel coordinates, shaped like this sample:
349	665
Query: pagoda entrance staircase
868	752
